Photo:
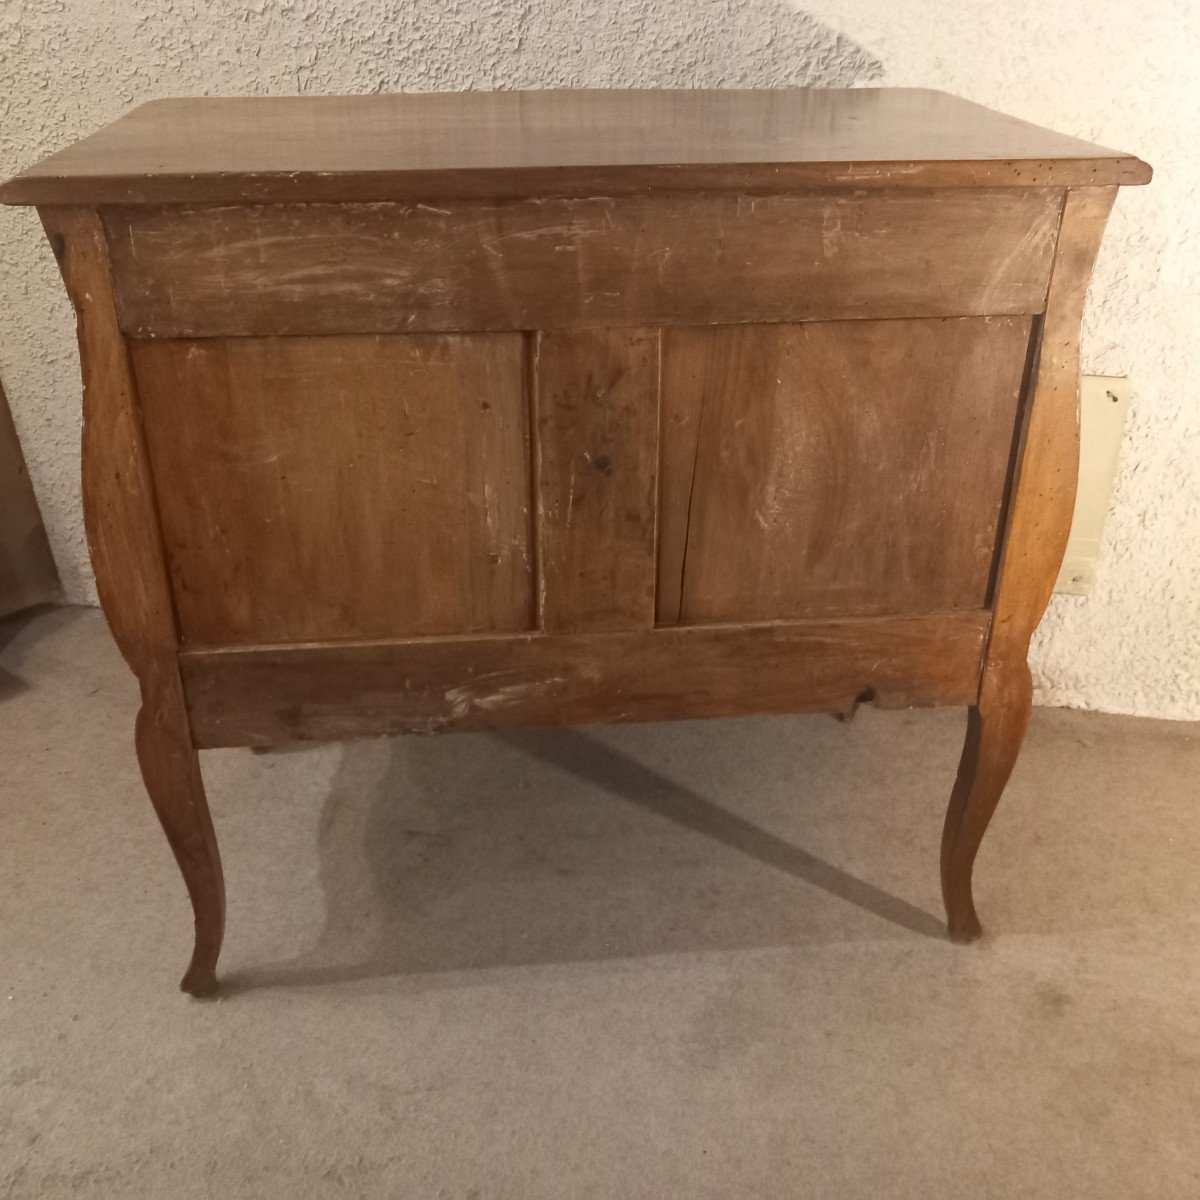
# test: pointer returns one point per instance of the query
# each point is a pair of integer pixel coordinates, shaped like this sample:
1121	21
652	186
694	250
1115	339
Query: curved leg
995	730
171	772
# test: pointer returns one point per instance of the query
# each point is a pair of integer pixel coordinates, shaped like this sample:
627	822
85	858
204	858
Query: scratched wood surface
271	695
579	142
341	487
554	263
835	468
596	397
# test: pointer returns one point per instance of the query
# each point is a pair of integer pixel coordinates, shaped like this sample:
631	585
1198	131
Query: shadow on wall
476	852
642	43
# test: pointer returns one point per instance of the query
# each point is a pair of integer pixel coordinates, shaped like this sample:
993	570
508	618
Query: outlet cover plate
1103	406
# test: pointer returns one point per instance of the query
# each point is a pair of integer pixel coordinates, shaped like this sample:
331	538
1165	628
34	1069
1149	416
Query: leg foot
171	772
995	730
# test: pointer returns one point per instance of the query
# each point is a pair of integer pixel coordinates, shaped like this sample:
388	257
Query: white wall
1117	72
1125	73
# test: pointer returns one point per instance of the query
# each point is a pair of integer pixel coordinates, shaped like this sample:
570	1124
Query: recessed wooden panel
557	262
269	695
597	452
835	468
341	487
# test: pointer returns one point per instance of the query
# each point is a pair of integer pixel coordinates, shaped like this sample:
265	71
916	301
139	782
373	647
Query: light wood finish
1036	539
547	263
342	148
782	500
341	487
597	426
475	412
268	695
123	540
27	572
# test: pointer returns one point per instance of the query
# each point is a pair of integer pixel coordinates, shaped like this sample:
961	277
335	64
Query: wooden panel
597	448
255	149
841	468
27	572
1044	499
271	695
563	263
341	487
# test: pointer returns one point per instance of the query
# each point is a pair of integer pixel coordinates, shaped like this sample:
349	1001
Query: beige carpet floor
691	960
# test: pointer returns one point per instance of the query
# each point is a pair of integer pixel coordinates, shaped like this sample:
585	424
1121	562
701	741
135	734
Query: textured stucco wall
1114	71
69	66
1125	73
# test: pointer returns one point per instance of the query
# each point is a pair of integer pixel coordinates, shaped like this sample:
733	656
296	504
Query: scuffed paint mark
831	231
465	700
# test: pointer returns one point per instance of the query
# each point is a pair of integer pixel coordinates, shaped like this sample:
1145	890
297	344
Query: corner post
125	544
1039	524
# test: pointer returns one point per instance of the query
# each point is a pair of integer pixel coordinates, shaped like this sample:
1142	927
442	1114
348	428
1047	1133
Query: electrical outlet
1103	405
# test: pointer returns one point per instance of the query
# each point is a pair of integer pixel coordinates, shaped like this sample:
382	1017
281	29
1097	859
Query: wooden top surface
501	144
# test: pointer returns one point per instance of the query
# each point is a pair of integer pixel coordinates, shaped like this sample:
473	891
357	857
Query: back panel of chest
610	416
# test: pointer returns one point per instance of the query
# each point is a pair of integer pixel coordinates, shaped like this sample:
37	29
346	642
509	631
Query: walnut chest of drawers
449	412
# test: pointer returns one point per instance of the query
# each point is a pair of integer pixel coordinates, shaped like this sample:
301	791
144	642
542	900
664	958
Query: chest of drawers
415	413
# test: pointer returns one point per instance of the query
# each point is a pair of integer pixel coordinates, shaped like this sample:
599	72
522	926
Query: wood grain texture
840	468
171	772
28	575
1038	527
578	142
597	448
382	393
126	552
554	263
270	695
996	726
341	487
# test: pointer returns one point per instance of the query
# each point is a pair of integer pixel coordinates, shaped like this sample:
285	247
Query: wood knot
603	464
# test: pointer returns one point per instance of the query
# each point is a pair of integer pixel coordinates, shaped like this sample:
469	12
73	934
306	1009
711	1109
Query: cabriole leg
995	730
171	772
